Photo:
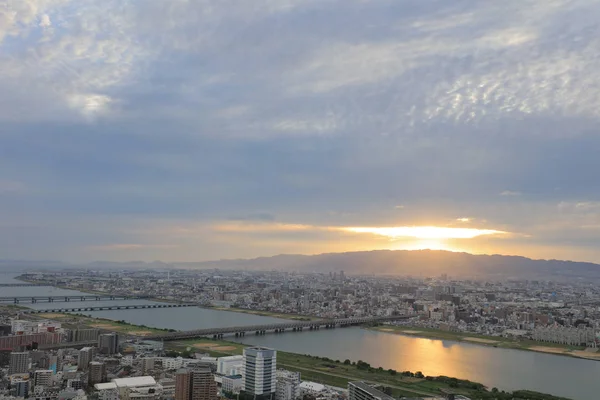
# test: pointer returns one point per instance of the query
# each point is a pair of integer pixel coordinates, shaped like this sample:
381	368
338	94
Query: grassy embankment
78	320
318	369
338	373
495	341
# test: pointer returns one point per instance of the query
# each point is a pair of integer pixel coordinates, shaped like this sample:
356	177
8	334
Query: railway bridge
107	308
276	328
68	298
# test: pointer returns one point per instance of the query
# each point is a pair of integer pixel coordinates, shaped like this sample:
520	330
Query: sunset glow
425	232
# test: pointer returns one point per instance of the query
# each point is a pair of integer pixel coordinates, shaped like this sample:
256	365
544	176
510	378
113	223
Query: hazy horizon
222	130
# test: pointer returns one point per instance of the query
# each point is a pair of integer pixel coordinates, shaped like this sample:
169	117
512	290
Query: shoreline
425	333
489	341
319	369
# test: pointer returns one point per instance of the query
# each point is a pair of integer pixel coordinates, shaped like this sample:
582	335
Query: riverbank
319	369
493	341
338	373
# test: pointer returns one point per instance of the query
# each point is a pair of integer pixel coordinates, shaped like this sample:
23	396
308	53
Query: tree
419	375
347	362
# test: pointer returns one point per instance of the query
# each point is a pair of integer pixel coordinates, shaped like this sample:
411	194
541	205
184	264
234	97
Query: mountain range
417	263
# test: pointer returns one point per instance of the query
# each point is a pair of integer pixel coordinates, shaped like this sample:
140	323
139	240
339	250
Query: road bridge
56	299
106	308
9	285
276	328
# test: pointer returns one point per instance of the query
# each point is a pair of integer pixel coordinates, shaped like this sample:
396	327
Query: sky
197	130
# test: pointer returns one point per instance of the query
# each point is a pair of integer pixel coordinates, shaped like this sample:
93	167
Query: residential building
42	377
97	373
195	384
19	363
108	343
288	385
138	388
86	355
21	388
259	371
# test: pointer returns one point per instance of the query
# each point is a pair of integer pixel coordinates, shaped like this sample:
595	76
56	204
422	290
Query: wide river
502	368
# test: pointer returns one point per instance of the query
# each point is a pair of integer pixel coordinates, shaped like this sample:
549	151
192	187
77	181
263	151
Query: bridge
52	299
277	328
9	285
106	308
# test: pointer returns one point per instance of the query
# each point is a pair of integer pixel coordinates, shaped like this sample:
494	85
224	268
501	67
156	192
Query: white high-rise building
259	371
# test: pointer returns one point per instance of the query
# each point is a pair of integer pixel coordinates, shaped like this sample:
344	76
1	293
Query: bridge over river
277	328
107	308
53	299
9	285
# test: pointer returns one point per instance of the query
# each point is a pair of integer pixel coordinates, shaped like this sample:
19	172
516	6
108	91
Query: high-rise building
19	363
42	377
288	385
86	355
362	391
108	343
97	373
259	371
195	384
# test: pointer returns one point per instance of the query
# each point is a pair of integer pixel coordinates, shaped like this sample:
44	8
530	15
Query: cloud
510	193
190	118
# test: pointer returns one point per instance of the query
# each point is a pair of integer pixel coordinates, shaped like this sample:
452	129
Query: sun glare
425	232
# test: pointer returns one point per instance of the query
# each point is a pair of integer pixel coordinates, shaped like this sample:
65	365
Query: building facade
288	385
195	384
259	371
19	363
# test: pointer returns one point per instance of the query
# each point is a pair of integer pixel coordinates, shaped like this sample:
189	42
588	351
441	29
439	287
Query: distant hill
418	263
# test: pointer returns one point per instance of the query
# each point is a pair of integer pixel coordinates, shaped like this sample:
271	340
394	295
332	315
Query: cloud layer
122	120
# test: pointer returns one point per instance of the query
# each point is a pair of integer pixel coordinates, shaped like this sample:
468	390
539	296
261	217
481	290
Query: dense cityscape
53	354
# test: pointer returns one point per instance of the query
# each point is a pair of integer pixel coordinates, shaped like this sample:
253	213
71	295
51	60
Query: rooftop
135	381
371	390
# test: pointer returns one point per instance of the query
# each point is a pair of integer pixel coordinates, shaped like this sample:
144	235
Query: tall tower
259	371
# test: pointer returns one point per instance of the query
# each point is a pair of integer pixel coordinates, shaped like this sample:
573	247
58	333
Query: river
503	368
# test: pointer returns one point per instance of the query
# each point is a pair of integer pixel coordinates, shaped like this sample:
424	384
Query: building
75	384
107	391
231	365
147	365
195	384
138	388
232	384
97	373
19	363
288	385
565	335
16	342
170	363
108	343
21	388
259	371
84	335
362	391
86	355
42	377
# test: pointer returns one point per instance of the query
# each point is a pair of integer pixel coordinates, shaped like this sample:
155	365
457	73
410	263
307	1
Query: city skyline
193	131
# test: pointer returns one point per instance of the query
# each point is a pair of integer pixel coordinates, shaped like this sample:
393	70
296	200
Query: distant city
58	350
